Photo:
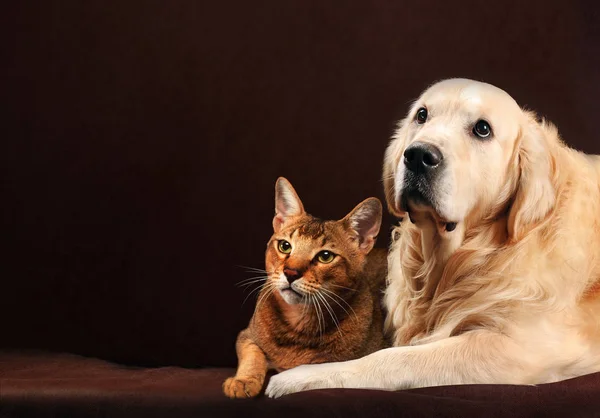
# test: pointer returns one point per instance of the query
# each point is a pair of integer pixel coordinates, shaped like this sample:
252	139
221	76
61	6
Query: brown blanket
55	385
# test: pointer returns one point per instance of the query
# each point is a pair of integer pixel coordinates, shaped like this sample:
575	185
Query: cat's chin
290	296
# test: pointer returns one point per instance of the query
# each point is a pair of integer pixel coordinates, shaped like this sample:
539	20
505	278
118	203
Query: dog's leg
474	357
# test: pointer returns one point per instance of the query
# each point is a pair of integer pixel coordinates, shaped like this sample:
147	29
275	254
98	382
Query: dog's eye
482	129
421	115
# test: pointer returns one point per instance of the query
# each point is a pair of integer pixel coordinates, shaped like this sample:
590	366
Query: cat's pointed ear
287	203
365	221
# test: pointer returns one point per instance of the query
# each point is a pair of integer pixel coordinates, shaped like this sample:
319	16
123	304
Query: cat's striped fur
313	308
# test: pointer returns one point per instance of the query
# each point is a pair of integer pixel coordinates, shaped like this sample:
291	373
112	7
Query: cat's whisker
310	299
318	312
355	319
248	282
331	313
249	285
341	287
270	287
254	269
249	268
305	305
323	329
254	277
335	294
332	294
258	288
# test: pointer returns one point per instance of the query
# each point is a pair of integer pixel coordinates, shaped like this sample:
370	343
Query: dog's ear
390	164
535	194
287	203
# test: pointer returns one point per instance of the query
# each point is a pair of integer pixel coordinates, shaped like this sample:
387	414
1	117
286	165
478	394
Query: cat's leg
474	357
251	372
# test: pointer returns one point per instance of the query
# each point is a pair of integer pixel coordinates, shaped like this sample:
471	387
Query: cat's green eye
284	246
325	257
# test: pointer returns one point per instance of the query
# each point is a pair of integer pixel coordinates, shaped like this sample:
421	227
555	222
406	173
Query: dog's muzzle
423	164
423	159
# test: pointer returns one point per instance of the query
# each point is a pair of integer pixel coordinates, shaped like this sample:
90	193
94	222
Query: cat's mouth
291	290
291	296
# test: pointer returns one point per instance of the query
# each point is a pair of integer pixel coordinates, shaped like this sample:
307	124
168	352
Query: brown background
140	142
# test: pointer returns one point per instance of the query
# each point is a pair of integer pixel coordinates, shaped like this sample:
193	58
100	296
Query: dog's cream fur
512	295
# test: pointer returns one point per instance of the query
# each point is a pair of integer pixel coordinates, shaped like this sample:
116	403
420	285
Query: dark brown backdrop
140	142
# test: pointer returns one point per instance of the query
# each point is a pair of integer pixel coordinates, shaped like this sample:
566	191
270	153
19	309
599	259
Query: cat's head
308	257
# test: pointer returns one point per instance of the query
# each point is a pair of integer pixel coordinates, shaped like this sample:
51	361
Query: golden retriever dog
495	275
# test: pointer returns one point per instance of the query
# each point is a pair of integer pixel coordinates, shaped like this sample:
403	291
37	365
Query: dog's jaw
417	199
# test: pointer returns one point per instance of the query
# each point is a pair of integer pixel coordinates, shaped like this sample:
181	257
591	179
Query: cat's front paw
308	377
236	388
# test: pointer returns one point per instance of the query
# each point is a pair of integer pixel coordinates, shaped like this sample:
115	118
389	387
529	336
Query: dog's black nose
420	157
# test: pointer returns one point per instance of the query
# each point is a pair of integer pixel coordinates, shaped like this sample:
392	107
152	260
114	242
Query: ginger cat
321	301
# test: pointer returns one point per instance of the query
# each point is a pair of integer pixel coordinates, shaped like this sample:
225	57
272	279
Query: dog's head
465	148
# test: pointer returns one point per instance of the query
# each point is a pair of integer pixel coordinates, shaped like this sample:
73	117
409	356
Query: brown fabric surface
50	385
140	142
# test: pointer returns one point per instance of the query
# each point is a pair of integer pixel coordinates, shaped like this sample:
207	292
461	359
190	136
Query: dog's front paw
307	377
236	388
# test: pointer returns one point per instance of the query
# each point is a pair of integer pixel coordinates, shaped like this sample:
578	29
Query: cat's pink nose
291	275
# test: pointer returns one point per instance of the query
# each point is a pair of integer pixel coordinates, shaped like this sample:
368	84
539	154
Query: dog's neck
437	247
